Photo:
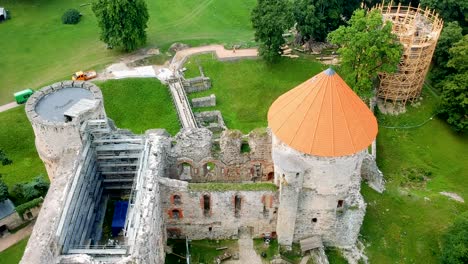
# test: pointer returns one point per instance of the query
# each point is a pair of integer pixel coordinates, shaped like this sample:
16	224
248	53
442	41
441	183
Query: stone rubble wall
310	190
150	235
257	212
212	120
43	246
199	152
53	138
371	173
206	101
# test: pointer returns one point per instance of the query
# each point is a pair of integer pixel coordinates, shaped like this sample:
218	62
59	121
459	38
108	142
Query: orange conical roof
323	117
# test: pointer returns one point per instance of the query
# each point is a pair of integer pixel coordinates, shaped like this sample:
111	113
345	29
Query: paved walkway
184	111
10	240
8	106
219	50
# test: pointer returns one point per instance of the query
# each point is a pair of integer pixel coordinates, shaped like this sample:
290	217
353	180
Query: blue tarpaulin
118	221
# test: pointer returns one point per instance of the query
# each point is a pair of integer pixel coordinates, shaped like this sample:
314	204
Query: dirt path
10	240
219	50
177	61
8	106
247	253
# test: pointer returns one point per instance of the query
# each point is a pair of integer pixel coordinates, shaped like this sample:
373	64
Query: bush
455	242
22	208
71	16
23	192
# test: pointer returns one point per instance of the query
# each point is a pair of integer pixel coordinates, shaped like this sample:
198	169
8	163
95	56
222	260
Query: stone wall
206	101
320	195
43	246
212	120
213	214
197	157
149	237
14	220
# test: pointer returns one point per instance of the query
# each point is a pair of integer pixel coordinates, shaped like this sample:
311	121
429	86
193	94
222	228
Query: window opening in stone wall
237	205
245	148
210	228
314	220
177	199
208	168
340	204
175	214
270	176
266	212
29	215
185	171
206	205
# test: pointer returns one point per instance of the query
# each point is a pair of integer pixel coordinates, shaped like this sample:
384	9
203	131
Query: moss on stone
216	186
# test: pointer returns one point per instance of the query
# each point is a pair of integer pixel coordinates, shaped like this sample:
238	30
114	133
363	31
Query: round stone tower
56	113
320	134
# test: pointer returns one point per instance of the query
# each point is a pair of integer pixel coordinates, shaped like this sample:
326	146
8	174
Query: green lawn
41	50
17	140
13	254
405	224
201	251
245	89
139	104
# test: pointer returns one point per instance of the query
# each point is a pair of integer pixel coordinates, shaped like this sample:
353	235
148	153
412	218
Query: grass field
13	254
135	104
41	50
17	140
139	104
405	224
245	89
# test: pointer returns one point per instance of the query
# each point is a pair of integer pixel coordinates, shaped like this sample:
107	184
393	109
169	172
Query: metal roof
323	117
54	105
6	208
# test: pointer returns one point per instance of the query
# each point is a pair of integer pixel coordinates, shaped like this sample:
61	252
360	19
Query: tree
450	10
270	19
308	22
4	159
316	18
3	190
367	47
451	34
122	22
455	242
454	97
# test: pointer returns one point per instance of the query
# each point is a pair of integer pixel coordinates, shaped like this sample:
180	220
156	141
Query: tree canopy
122	22
450	10
270	19
367	47
3	190
454	105
316	18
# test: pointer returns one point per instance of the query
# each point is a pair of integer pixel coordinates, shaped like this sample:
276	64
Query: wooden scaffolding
418	31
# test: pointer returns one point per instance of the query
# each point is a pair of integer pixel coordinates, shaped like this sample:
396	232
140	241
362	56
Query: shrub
71	16
455	242
22	208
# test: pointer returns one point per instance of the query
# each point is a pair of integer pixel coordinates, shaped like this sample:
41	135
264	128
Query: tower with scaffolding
418	31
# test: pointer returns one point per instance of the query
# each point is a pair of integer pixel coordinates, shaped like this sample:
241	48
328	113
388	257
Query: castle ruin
298	181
